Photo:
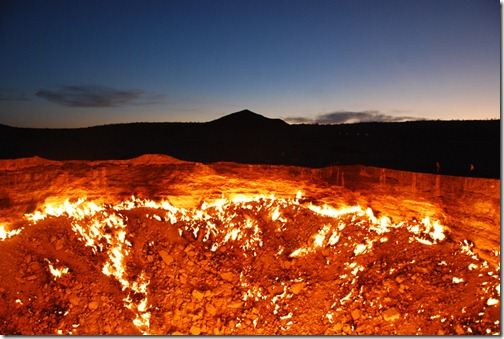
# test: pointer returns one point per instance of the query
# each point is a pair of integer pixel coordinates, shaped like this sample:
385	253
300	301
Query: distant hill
247	120
248	137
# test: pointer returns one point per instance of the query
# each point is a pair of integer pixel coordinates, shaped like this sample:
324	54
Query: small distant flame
492	301
456	280
56	272
299	194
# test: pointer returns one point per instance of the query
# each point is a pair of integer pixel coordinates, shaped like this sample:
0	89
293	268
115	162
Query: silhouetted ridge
468	148
246	118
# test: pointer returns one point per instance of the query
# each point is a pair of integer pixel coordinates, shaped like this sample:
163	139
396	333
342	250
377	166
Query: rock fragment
337	328
459	330
235	304
167	259
197	294
210	308
93	305
400	279
296	288
34	266
356	314
59	244
278	289
326	252
391	314
75	301
195	330
228	276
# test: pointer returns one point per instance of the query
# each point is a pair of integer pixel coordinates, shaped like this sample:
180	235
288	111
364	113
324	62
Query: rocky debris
197	292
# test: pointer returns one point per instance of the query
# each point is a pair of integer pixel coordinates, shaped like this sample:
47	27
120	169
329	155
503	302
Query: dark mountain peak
247	118
246	112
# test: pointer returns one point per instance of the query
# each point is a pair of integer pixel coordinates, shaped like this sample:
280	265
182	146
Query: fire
104	229
7	234
492	301
236	222
77	210
142	316
56	272
220	222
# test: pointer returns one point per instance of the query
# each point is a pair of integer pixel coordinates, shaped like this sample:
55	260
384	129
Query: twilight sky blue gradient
82	63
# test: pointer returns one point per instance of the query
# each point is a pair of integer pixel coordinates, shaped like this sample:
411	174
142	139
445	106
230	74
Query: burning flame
7	234
56	272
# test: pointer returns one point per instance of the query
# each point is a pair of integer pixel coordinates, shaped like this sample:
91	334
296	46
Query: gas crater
154	245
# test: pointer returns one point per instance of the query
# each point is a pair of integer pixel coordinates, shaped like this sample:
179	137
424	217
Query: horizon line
290	124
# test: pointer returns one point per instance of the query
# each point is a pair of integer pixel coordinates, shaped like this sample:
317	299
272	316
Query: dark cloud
156	98
299	120
90	96
342	117
6	95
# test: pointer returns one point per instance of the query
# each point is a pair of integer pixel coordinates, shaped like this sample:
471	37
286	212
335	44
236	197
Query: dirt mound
147	159
16	164
155	159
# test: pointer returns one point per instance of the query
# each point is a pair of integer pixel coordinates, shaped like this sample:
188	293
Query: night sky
83	63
